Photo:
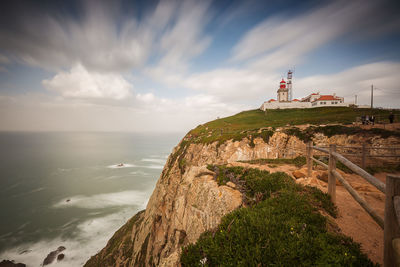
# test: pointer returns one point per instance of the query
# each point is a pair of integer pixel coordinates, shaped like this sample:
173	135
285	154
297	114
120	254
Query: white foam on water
89	237
161	156
125	165
152	166
139	173
124	198
160	167
155	160
29	192
11	187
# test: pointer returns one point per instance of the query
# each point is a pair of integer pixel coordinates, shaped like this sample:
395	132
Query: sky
168	66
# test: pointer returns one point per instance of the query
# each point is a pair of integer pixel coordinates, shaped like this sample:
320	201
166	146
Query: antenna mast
289	84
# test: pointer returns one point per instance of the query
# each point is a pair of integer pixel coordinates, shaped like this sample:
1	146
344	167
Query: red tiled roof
327	97
295	100
283	81
271	100
314	94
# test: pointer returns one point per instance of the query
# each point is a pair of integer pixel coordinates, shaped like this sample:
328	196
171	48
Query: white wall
328	104
284	105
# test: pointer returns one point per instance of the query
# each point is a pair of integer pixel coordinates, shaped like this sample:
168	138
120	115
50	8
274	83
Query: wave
139	173
160	156
153	167
11	187
119	166
124	198
89	237
29	192
155	160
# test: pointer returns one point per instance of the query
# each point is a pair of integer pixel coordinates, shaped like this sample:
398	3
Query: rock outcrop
188	201
8	263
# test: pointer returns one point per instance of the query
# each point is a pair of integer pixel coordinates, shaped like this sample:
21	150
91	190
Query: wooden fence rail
365	152
391	222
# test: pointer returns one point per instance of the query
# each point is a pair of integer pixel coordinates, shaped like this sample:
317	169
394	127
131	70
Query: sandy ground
352	219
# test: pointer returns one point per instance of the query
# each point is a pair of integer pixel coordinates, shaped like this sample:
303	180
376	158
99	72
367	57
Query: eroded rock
298	174
53	255
8	263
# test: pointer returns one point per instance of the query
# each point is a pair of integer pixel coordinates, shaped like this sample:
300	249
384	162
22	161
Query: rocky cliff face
188	201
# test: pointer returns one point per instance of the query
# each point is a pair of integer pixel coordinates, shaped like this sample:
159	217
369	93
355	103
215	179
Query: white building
311	101
328	101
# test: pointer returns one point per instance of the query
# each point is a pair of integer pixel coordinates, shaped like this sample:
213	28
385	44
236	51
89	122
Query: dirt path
352	219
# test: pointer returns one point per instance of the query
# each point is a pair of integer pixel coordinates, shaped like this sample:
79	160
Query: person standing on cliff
372	119
391	117
363	119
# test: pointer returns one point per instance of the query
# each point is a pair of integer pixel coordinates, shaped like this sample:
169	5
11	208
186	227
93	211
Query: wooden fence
364	152
391	222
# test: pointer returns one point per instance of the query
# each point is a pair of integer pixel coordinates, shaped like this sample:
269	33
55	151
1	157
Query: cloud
285	39
4	59
357	81
41	112
107	37
185	39
233	85
182	41
98	40
146	98
80	83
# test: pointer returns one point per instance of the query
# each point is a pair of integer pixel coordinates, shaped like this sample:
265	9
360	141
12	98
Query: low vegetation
339	165
257	123
280	225
331	130
297	161
389	168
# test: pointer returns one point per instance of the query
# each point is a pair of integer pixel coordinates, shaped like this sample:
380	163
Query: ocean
70	189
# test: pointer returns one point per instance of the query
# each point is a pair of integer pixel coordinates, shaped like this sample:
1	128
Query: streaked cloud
125	67
80	83
285	39
358	81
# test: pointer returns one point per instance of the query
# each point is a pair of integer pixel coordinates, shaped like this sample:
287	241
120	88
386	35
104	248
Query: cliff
187	200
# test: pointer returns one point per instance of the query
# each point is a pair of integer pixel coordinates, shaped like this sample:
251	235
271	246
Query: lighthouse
283	92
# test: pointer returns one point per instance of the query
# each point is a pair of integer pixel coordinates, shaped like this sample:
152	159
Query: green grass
281	226
249	123
331	130
389	168
297	161
339	165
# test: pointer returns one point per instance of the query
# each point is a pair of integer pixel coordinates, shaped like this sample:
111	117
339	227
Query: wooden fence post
363	156
331	176
392	227
308	157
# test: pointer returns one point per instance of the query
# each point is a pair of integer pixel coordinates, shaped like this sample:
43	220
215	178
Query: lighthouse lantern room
283	92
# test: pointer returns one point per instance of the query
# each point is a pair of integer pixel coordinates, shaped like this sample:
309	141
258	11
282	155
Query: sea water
70	189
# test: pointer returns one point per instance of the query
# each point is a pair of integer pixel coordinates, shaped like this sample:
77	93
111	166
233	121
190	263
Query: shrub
298	161
284	229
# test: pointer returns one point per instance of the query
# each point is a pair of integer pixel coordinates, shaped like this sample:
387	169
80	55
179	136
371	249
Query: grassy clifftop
250	122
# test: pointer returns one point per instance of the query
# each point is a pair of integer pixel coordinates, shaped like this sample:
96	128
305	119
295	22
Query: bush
298	161
283	229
